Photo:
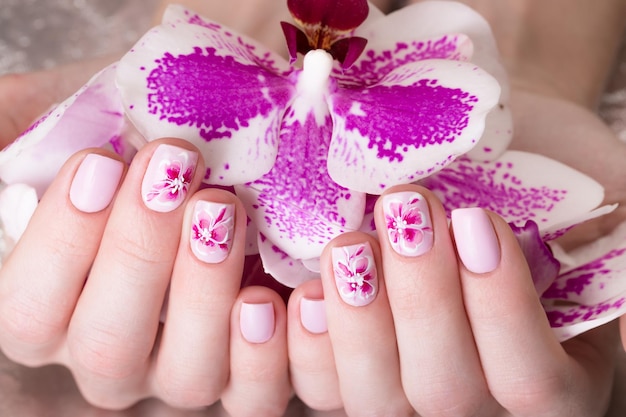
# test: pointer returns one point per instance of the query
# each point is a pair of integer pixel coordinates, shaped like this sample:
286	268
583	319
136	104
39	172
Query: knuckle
31	322
531	393
101	351
451	402
182	389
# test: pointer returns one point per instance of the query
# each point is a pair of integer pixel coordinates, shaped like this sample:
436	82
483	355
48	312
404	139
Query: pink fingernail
409	228
476	240
313	315
257	322
167	178
212	231
355	273
95	183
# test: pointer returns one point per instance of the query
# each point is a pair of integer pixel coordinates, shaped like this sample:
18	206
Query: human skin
540	104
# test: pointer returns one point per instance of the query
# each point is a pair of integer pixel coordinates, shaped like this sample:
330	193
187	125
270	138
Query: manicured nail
355	273
313	315
167	178
212	231
409	228
257	322
95	183
476	240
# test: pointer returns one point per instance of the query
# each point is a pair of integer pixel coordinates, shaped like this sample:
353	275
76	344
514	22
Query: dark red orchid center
326	24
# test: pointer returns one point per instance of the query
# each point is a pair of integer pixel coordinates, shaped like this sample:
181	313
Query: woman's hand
433	321
86	284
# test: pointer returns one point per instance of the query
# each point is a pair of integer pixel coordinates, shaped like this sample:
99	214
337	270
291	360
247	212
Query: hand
86	283
455	330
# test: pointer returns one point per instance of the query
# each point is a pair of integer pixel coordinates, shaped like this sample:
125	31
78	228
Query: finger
360	326
114	326
41	281
527	370
192	365
259	375
441	371
311	362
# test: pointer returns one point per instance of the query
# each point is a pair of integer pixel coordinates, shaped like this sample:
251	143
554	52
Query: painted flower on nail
408	223
168	176
355	273
211	232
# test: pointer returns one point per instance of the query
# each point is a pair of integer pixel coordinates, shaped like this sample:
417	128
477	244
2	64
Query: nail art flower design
211	232
355	274
408	223
167	177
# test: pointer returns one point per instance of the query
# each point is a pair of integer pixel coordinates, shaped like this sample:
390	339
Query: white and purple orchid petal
284	269
519	186
544	267
17	205
90	118
417	120
219	90
380	58
559	229
431	20
570	321
297	206
593	282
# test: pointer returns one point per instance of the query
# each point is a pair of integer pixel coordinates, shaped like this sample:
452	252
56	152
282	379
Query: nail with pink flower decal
212	231
409	227
355	273
167	179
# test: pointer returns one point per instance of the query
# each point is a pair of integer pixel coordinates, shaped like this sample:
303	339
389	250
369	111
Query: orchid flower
364	102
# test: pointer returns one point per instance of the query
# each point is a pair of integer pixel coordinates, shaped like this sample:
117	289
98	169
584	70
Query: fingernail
355	273
212	231
313	315
95	183
409	228
257	322
167	178
476	240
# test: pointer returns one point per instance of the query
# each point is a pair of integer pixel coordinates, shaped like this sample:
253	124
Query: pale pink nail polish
257	322
407	218
167	178
355	273
313	315
95	183
476	240
212	231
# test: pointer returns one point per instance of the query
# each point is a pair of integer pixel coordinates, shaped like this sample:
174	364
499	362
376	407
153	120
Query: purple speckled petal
217	89
544	267
90	118
296	205
436	20
593	282
519	186
284	269
570	321
413	123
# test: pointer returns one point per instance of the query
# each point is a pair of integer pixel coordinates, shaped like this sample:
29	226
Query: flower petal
342	15
416	121
284	269
544	267
17	205
437	20
519	186
570	321
296	205
219	90
90	118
